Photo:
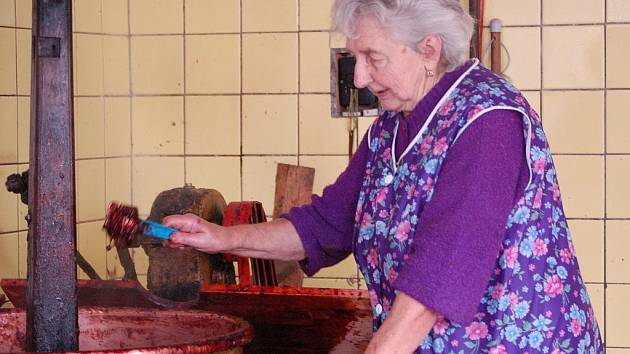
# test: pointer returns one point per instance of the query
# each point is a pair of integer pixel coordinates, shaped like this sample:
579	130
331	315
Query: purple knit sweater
479	183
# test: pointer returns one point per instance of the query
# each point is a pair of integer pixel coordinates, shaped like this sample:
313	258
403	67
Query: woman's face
389	69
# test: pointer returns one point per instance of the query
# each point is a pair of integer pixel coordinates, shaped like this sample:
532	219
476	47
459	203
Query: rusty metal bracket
48	47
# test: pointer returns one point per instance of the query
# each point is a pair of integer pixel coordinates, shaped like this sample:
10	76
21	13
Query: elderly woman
451	204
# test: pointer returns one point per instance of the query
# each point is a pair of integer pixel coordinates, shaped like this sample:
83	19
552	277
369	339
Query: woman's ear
431	48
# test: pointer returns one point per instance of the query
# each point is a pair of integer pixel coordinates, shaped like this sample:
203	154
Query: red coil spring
121	224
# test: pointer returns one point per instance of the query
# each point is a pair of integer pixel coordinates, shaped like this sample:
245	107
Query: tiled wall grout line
103	160
605	168
299	77
185	92
17	140
241	98
130	112
307	93
319	31
540	93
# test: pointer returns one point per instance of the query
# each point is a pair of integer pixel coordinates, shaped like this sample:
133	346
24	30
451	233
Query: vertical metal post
473	9
495	45
52	324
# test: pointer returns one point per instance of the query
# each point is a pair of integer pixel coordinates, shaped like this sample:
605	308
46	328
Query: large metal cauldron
136	330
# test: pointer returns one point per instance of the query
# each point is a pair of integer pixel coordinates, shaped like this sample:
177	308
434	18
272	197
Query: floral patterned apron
535	300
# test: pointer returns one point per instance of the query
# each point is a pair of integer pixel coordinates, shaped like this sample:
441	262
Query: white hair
410	21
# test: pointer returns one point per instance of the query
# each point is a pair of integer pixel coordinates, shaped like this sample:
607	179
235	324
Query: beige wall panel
23	11
221	173
618	251
573	12
618	10
520	59
117	126
116	65
157	64
9	259
596	295
617	122
22	254
270	124
533	97
213	125
153	175
115	16
574	121
588	239
7	15
7	61
91	242
574	57
513	12
90	189
89	125
156	16
617	314
347	268
213	64
87	16
581	181
259	178
617	186
24	39
617	53
319	133
314	62
364	126
327	169
158	125
114	269
330	283
270	63
269	15
89	64
24	127
9	132
8	203
315	15
213	16
118	180
22	208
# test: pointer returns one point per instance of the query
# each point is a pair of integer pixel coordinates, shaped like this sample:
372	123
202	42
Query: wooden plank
294	187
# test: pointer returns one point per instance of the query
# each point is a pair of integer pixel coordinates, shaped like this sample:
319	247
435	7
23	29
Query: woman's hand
199	234
405	328
277	239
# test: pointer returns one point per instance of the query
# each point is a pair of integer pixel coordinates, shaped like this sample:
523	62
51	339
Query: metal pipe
52	322
473	9
495	46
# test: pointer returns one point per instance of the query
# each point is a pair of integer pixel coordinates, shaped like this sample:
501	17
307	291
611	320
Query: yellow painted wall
216	92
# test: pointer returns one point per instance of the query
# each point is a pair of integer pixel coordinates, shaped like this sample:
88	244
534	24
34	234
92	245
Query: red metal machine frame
263	271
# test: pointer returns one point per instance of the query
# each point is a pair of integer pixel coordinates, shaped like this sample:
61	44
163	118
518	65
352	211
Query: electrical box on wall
342	85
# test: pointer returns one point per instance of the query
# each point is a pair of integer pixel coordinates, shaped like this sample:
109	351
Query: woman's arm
277	239
406	326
